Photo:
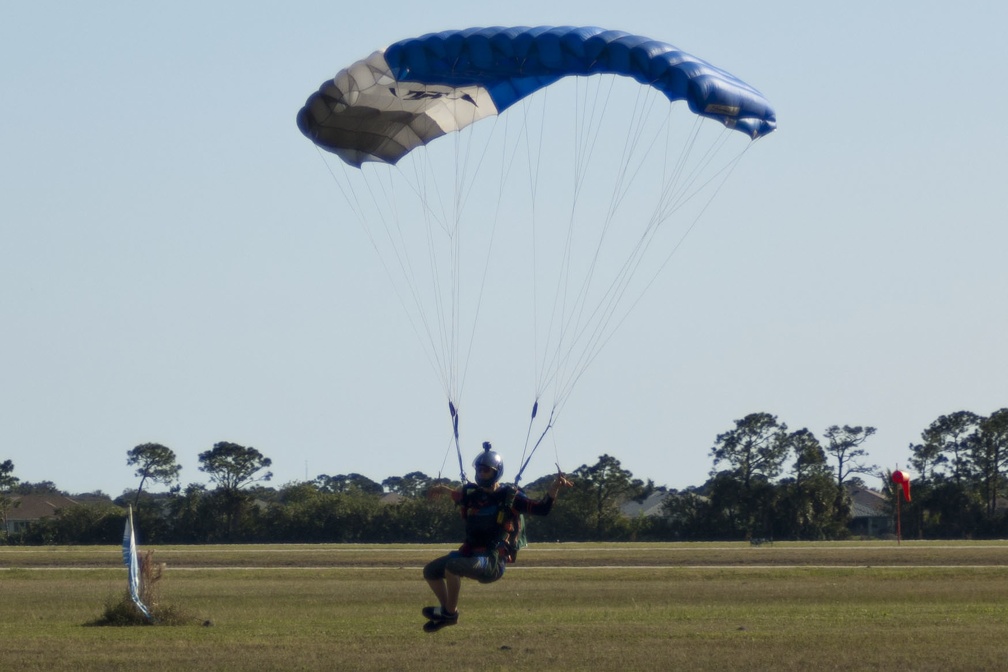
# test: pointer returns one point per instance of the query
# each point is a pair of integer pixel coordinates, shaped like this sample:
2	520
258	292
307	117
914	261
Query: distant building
652	506
28	509
871	513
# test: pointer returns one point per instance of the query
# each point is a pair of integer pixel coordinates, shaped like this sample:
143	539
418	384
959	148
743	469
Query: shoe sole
431	613
434	626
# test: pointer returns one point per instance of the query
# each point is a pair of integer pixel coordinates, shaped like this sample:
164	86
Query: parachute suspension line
444	291
642	112
458	196
586	142
452	313
534	160
588	125
490	242
534	138
599	320
444	460
724	173
441	224
636	256
606	327
464	182
526	460
553	355
435	217
437	335
687	187
596	329
352	198
600	315
349	195
552	351
576	319
458	349
533	157
468	159
387	214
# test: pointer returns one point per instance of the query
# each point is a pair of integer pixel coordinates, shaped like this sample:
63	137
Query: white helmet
488	458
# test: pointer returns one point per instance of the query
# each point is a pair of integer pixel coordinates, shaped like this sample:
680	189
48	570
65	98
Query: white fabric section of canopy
416	113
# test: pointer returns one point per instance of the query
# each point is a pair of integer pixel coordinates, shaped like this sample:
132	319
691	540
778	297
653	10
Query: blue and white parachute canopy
383	107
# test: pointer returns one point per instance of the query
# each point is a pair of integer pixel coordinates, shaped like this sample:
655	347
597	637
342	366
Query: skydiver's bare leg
453	584
447	590
440	588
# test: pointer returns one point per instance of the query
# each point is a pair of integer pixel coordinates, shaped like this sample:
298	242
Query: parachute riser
549	425
458	448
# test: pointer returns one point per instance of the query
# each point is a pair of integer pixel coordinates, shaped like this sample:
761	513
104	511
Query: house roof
867	503
652	506
35	507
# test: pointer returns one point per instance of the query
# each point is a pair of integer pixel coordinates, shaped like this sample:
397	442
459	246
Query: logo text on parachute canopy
427	94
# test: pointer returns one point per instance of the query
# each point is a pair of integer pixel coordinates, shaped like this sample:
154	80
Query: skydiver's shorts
482	568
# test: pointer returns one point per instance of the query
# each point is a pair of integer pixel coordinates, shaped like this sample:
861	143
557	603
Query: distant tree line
766	482
959	489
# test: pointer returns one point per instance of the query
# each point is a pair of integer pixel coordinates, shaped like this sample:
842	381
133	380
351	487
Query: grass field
833	606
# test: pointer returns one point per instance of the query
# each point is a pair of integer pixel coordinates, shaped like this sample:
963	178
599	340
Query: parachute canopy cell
416	90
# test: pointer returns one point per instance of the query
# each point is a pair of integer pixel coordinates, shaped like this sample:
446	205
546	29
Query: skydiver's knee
435	569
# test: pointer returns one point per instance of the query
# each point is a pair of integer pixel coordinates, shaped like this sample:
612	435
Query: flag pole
899	520
902	479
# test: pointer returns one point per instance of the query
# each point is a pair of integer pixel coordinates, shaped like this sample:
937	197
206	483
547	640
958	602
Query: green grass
612	607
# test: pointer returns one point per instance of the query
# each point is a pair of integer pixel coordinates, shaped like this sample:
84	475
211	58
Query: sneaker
434	626
438	619
439	614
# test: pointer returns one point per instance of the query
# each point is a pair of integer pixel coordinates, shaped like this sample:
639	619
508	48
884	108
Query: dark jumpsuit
482	556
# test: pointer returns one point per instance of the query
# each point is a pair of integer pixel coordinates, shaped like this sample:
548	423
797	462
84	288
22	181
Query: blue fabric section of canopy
512	63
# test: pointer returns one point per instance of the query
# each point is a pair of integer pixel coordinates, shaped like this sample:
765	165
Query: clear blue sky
173	266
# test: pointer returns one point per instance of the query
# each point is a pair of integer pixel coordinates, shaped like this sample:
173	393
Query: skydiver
491	512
